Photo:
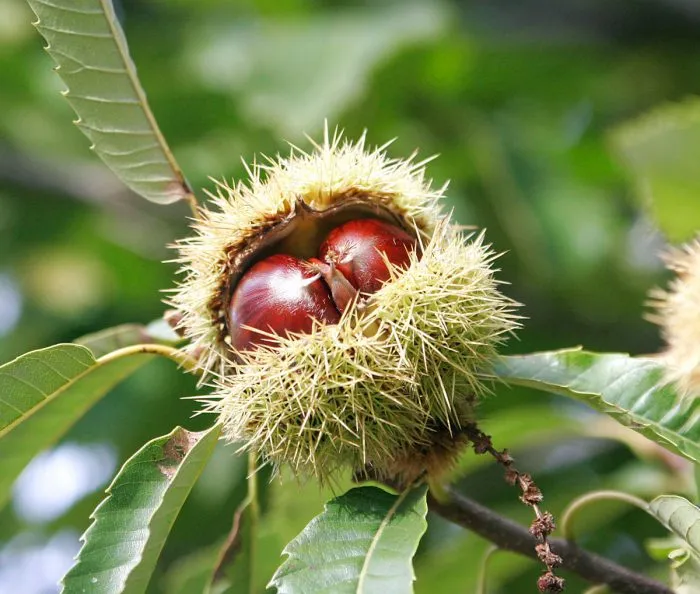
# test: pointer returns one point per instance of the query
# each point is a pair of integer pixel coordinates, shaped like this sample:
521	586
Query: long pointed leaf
363	542
86	40
631	390
121	548
43	393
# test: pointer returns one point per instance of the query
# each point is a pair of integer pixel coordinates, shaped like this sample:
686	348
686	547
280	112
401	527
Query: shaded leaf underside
681	517
85	39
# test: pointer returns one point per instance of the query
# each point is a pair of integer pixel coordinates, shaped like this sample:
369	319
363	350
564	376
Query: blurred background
518	98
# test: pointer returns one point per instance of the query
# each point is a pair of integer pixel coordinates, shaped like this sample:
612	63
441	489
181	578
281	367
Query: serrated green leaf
87	43
121	547
630	390
660	150
363	542
43	393
109	340
681	517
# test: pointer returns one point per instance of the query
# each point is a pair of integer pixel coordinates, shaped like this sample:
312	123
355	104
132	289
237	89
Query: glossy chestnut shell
282	293
358	250
277	295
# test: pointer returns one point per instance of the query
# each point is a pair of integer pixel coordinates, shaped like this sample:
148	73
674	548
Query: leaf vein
69	8
97	99
75	33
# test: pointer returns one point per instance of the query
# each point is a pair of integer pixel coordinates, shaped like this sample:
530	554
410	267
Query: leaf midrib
135	575
95	364
50	397
375	540
118	37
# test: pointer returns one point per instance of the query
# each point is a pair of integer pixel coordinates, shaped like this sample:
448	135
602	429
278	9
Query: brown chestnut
356	247
279	294
282	294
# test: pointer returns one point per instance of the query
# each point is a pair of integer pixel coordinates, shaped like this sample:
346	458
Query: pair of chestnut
282	293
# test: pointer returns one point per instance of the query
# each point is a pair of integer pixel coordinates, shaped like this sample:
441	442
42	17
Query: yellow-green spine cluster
392	378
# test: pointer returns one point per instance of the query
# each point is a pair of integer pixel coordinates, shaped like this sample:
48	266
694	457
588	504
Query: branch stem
543	525
508	535
191	200
248	512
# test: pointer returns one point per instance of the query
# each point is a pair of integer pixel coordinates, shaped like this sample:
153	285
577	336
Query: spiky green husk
678	314
386	390
381	386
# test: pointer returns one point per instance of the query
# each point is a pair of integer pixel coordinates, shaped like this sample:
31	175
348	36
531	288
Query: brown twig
231	546
509	535
543	524
242	533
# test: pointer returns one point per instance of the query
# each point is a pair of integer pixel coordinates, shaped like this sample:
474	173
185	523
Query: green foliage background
518	99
